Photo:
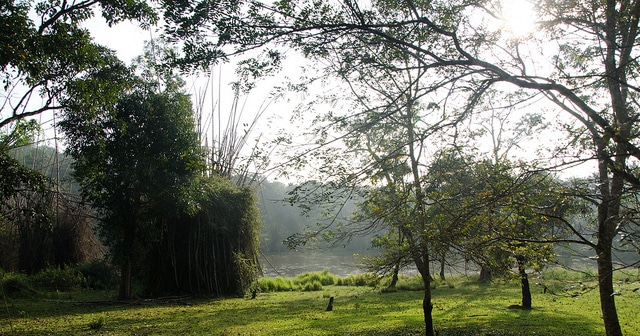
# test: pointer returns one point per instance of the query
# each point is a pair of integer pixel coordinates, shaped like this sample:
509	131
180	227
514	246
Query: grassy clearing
461	307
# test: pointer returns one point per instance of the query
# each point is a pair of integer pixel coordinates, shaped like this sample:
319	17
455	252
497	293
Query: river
290	264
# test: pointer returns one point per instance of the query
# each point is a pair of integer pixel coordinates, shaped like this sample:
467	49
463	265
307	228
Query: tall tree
135	162
582	59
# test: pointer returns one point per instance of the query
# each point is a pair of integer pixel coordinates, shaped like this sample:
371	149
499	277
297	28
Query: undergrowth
315	281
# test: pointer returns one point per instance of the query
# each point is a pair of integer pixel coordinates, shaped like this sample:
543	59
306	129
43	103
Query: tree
212	251
135	161
496	216
44	54
47	58
582	59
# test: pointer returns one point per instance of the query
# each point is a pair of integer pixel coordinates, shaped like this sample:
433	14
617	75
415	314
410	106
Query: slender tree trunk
608	219
607	296
524	284
125	281
394	278
442	264
422	240
427	306
619	37
125	292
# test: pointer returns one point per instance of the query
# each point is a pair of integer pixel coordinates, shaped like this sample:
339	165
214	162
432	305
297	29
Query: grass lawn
460	308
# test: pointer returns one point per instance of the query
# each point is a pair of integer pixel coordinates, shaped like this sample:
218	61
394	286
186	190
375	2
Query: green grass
461	307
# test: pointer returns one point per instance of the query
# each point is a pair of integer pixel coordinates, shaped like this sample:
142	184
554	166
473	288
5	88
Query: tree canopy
580	61
46	54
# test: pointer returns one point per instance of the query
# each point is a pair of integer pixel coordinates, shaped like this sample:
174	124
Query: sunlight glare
519	16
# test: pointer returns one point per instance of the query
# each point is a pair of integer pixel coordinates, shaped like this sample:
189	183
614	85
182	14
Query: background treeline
285	217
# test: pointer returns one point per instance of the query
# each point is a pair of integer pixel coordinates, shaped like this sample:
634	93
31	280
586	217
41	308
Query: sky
127	39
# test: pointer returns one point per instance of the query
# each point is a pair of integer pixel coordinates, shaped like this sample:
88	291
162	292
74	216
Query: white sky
128	39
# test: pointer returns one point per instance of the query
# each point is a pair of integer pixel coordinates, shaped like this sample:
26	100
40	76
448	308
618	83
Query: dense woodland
434	129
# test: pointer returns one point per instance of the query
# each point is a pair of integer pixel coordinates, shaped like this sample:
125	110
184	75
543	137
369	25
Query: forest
500	134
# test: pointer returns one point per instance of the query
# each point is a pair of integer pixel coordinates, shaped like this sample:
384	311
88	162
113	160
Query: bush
16	285
99	274
55	278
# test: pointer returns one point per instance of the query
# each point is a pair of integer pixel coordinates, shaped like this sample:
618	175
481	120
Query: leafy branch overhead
580	63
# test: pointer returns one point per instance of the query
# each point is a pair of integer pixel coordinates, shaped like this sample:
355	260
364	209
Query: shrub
99	274
16	285
54	278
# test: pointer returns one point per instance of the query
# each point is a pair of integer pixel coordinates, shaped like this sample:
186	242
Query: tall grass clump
410	283
312	286
362	279
315	281
324	278
279	284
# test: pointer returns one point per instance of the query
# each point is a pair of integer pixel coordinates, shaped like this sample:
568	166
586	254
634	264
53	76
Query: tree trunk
125	292
427	307
125	282
394	278
524	282
607	296
442	264
485	274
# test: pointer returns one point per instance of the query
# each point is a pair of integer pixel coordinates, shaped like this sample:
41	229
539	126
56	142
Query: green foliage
97	323
22	134
99	274
137	162
45	50
313	285
315	281
410	284
16	285
212	250
57	278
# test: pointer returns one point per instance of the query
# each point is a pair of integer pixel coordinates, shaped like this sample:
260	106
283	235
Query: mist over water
292	263
341	263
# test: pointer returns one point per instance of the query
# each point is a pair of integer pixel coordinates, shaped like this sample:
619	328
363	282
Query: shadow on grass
480	310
